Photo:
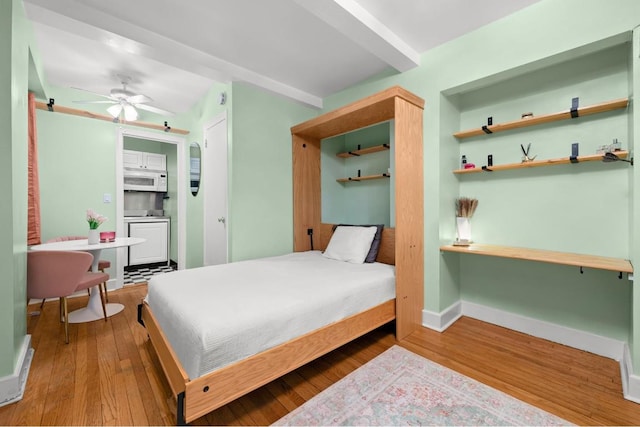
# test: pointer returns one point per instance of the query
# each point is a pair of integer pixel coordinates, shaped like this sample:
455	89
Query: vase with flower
94	219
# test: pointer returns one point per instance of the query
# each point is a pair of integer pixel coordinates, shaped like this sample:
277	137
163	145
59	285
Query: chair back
65	238
54	274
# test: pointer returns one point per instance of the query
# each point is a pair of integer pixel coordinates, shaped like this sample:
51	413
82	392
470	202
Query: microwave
141	180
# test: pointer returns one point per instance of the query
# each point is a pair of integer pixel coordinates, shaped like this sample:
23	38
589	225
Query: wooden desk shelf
546	118
363	178
553	257
363	151
538	163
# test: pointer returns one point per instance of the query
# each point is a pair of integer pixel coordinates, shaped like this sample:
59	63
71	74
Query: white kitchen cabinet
142	160
155	248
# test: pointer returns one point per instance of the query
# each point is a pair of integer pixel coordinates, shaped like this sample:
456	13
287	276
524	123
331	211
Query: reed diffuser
465	208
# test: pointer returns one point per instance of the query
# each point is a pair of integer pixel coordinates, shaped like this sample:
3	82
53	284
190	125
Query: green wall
14	73
502	70
261	186
486	72
357	202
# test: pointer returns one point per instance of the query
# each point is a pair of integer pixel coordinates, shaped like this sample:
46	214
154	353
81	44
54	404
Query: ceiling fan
126	102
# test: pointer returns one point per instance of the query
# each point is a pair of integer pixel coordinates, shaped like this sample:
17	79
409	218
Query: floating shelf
539	163
547	118
363	178
363	151
553	257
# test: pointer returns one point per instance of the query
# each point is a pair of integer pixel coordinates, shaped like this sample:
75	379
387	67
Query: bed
214	350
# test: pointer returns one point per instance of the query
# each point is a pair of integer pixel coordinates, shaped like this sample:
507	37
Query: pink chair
102	264
58	274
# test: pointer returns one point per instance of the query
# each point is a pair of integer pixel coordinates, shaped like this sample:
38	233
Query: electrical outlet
106	198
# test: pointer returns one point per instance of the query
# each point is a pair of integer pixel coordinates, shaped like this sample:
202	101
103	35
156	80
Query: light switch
106	198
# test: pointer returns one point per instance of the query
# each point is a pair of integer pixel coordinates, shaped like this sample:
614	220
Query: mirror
194	167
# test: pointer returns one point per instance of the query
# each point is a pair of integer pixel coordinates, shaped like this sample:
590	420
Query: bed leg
140	314
180	421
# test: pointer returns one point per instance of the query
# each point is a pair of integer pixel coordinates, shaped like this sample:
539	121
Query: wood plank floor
109	374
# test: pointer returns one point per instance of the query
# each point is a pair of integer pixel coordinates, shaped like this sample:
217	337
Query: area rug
401	388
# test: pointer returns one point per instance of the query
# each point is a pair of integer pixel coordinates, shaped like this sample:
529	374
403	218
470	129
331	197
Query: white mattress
214	316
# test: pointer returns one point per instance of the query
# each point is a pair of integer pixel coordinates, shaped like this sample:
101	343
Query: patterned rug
401	388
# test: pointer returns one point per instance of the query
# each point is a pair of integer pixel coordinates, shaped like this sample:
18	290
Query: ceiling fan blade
115	110
154	110
139	99
130	113
96	102
96	94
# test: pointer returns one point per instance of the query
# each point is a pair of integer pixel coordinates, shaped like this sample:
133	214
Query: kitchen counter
145	218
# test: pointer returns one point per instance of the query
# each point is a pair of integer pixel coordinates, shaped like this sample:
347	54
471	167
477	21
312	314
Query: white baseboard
12	386
575	338
597	344
630	382
441	321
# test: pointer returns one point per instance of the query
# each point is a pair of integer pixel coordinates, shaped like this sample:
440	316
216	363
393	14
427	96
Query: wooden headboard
386	254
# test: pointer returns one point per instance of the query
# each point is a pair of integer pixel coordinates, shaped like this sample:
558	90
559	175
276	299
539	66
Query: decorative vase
94	237
463	228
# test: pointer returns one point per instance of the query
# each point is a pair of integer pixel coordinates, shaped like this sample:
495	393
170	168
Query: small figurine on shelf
526	157
465	207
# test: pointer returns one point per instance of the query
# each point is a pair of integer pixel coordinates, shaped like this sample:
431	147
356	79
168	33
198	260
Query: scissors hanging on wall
526	157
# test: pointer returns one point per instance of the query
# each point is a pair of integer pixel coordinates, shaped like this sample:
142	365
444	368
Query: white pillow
350	244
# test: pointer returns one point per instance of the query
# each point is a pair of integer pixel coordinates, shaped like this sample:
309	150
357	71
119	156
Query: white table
93	310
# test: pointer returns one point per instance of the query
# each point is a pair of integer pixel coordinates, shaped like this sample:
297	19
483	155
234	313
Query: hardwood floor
109	375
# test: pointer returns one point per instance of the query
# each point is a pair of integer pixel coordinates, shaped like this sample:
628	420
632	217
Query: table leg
93	310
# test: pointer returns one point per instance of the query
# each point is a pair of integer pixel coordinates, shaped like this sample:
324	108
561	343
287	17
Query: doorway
215	181
180	142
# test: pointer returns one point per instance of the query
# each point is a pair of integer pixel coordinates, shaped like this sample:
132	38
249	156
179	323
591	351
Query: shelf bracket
354	154
581	270
620	275
574	107
574	159
50	104
486	169
485	128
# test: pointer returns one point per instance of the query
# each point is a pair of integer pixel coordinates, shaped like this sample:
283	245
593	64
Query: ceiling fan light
115	110
130	113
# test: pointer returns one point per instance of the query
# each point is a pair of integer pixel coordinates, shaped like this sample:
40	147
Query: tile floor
143	273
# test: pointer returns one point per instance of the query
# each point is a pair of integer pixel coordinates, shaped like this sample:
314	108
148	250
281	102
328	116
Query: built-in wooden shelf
538	163
363	178
546	118
553	257
363	151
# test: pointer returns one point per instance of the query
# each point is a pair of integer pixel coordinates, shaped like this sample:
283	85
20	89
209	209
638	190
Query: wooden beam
40	105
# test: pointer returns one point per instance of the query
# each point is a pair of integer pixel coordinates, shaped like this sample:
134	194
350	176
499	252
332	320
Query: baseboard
441	321
630	382
575	338
12	386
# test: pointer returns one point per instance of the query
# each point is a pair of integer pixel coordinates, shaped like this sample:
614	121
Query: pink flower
94	219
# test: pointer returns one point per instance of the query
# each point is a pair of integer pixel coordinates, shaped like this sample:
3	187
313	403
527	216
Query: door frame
167	138
206	167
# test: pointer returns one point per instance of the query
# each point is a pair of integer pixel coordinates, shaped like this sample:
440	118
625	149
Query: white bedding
213	316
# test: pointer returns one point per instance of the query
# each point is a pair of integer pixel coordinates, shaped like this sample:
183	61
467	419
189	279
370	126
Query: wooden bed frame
198	396
401	246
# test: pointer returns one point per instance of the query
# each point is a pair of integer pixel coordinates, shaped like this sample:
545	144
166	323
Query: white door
214	186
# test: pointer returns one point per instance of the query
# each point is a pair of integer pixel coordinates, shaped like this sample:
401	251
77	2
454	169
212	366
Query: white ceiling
174	50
